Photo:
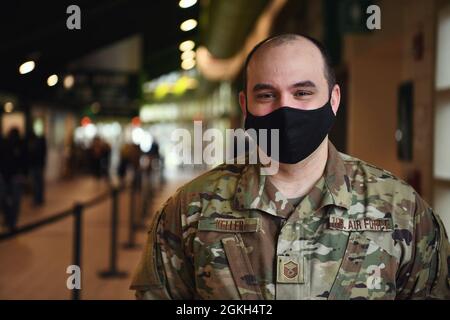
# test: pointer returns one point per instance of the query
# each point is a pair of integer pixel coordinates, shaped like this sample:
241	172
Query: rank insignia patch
290	269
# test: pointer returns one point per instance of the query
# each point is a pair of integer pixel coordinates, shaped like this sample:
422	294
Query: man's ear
243	102
335	98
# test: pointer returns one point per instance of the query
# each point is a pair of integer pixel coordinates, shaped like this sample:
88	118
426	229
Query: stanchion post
77	243
144	200
131	244
112	271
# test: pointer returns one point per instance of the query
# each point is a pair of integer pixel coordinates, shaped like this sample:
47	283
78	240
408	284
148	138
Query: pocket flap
241	268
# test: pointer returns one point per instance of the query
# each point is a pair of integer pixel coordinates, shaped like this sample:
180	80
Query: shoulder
361	168
219	184
220	181
375	181
381	193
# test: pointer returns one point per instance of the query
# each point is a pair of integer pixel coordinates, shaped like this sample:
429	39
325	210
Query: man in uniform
325	226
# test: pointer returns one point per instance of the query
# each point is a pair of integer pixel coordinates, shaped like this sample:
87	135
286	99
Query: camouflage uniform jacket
360	233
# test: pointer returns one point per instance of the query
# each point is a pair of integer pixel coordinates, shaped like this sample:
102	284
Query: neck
296	180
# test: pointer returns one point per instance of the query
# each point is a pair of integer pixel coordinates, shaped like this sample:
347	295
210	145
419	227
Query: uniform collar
254	191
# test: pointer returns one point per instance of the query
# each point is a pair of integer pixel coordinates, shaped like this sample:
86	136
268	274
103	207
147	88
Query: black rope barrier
54	218
77	211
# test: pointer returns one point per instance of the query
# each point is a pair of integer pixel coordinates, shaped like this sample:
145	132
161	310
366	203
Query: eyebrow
301	84
262	86
304	84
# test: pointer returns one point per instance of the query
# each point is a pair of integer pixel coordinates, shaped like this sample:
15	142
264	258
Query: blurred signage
100	90
175	83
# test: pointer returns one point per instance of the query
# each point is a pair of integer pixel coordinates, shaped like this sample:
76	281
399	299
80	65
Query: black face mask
300	131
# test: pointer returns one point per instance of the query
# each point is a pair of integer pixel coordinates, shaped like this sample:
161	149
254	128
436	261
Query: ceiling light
26	67
187	55
9	106
52	80
187	45
69	80
188	25
188	64
186	3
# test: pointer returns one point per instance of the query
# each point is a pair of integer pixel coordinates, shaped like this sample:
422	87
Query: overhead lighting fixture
187	55
187	45
52	80
8	107
186	3
188	25
69	80
188	64
27	67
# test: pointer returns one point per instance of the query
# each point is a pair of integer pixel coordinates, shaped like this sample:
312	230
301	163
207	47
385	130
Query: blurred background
88	106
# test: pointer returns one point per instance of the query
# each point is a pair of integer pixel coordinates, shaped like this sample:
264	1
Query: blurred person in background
156	162
13	171
37	155
100	154
130	156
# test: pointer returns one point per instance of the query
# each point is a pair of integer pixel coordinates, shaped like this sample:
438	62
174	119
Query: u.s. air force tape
364	224
230	225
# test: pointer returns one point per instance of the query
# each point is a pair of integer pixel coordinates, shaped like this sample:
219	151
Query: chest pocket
368	269
222	266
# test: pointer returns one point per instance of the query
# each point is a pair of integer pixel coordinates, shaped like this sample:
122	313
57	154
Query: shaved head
291	38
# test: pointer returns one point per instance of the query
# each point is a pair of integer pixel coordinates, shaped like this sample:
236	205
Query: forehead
292	61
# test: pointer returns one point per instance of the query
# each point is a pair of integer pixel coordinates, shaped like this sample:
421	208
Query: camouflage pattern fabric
360	233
